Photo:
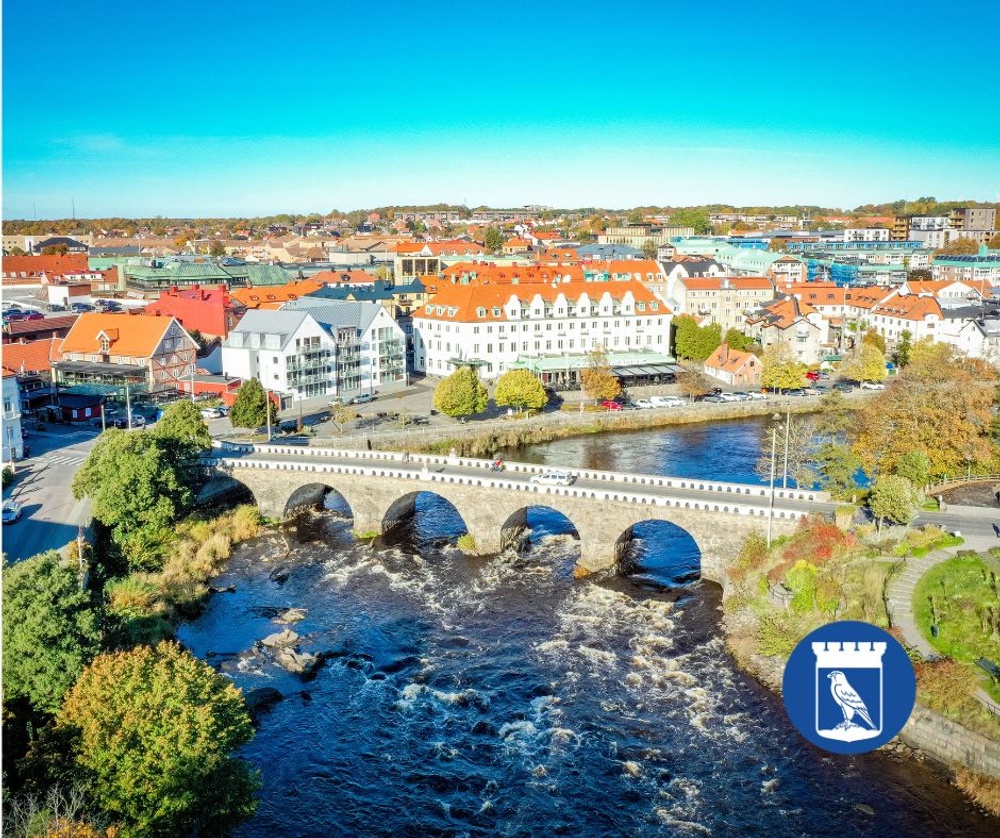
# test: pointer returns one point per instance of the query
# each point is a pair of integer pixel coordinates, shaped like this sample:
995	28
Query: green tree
250	410
920	275
903	348
520	389
340	415
893	498
598	381
708	338
737	340
152	732
866	363
837	465
685	336
493	239
135	489
218	248
461	393
693	217
183	432
635	217
781	369
915	466
50	630
649	249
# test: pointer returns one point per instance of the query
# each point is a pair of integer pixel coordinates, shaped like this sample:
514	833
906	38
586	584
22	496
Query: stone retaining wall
950	743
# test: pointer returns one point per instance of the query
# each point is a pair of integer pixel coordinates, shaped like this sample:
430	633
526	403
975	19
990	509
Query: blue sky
257	108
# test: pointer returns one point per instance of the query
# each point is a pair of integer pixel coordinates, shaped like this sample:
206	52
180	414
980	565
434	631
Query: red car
812	375
608	404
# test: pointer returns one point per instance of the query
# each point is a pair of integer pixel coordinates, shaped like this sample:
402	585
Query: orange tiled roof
489	272
273	296
34	265
908	307
783	312
738	283
729	360
133	336
822	293
865	297
343	277
466	300
34	356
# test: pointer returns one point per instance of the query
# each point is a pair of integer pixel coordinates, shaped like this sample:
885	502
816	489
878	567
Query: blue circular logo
849	687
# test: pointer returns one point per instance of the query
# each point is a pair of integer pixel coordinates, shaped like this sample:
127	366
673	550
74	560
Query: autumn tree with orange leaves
940	405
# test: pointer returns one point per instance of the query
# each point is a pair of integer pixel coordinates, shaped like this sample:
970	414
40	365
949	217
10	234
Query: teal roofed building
154	278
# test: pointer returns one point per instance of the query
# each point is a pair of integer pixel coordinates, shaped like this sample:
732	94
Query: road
50	517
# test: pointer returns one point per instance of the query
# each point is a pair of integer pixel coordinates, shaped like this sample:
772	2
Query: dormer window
480	312
496	312
105	345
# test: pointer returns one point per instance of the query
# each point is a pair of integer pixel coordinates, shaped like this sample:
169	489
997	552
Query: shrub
983	790
8	476
467	543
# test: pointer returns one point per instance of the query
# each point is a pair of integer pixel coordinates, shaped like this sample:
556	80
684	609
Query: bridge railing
635	480
732	506
946	484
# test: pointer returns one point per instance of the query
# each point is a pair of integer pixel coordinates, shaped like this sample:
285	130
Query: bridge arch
412	509
659	551
531	522
316	496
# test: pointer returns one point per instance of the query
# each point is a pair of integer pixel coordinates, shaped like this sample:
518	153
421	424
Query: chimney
725	353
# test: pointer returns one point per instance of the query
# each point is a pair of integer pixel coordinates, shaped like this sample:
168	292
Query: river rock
228	589
864	807
303	664
261	699
280	639
291	615
279	575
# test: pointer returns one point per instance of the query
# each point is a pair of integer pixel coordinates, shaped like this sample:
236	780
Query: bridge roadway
380	487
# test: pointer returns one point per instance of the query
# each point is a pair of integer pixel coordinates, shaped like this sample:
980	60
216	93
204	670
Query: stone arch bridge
381	489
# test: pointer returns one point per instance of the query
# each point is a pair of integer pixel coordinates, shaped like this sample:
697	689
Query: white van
666	401
554	477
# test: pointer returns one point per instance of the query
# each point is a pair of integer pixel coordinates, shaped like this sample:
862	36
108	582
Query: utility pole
128	409
788	422
267	411
770	514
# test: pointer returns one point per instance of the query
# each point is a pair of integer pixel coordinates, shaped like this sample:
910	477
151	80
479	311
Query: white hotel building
496	325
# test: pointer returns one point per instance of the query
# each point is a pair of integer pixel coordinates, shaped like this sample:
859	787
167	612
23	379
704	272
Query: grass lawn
960	597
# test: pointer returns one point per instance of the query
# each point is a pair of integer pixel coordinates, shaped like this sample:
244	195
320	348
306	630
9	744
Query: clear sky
219	108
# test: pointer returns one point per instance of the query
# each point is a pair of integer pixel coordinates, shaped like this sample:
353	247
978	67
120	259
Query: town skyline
471	107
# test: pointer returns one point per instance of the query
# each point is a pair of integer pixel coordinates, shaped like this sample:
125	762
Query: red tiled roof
19	328
343	277
35	265
34	356
272	296
730	360
908	307
737	283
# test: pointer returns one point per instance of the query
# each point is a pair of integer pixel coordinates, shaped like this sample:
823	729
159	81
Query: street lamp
788	424
774	448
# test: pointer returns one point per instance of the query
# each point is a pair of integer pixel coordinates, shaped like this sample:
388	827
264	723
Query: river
503	697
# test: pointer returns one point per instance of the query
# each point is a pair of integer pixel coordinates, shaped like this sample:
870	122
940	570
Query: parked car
137	422
34	315
210	413
872	385
643	404
11	511
362	398
611	404
81	307
714	398
554	477
796	391
12	314
843	387
730	397
756	397
813	375
667	401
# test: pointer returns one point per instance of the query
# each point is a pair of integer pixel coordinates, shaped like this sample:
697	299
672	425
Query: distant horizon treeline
163	226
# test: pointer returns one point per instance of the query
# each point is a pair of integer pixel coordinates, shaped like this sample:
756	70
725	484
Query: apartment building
726	300
497	326
317	348
793	323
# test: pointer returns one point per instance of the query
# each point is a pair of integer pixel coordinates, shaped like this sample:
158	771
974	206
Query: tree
50	630
915	466
649	249
902	354
340	415
250	410
920	275
695	342
493	239
777	245
893	498
836	466
873	338
866	363
635	217
598	381
461	393
218	248
693	217
183	432
152	732
520	389
961	246
692	384
994	243
737	340
685	335
781	370
134	487
940	404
